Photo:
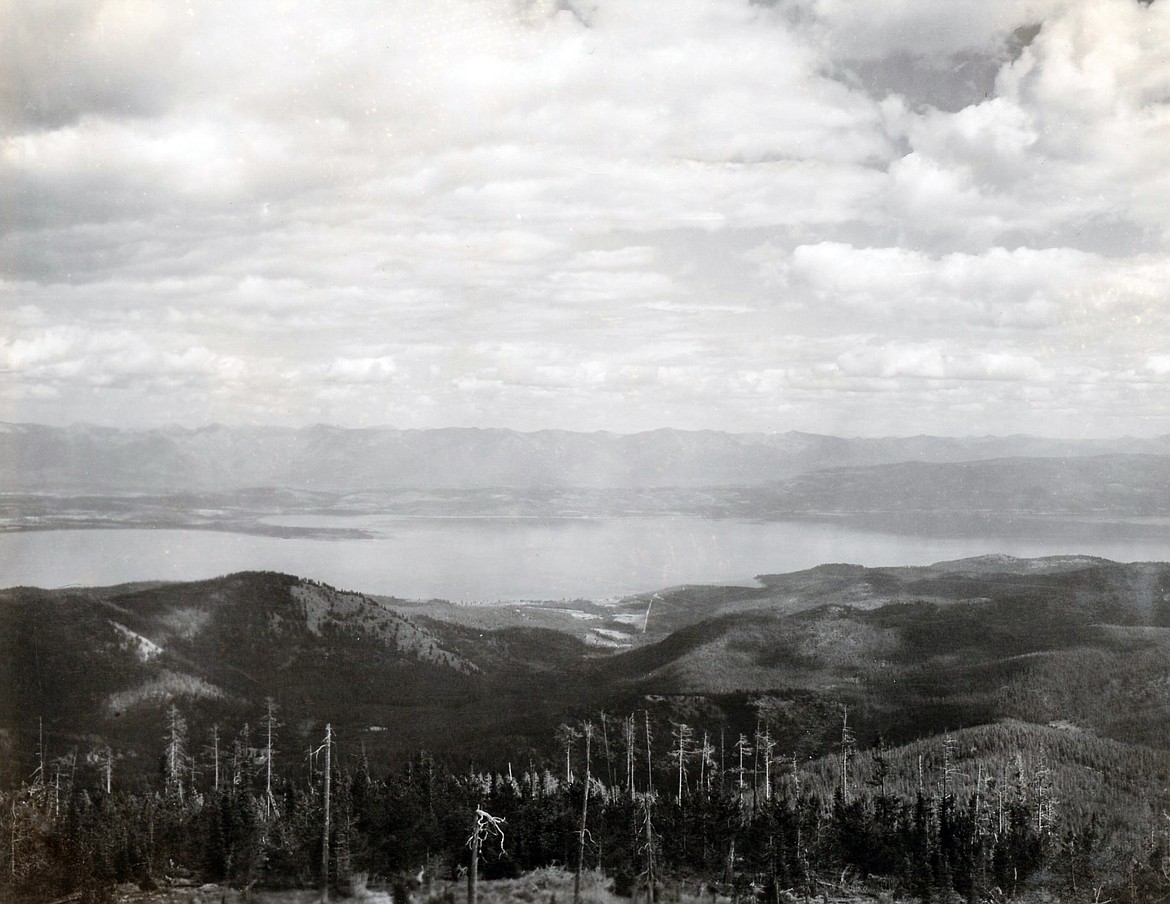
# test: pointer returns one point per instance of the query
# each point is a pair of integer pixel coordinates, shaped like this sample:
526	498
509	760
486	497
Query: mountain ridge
38	458
911	651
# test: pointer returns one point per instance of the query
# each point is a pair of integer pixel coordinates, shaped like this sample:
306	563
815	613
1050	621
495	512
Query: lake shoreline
516	559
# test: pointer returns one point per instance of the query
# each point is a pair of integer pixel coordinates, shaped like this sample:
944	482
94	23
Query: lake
488	559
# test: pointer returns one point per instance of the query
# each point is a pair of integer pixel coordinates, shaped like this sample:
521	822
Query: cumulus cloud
932	362
716	213
1021	288
103	358
361	370
1071	147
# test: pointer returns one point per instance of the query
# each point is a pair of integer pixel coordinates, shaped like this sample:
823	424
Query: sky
891	217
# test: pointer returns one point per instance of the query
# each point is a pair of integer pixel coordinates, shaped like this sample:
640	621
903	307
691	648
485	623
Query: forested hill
97	666
912	652
978	727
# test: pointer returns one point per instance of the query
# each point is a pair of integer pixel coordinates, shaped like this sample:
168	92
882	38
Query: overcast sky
887	217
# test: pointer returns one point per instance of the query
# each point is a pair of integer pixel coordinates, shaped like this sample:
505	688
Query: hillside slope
100	665
913	652
920	650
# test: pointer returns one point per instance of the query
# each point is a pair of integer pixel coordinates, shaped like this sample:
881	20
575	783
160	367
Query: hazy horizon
585	431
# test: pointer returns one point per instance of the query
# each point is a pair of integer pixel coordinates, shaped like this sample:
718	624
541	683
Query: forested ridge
989	728
994	812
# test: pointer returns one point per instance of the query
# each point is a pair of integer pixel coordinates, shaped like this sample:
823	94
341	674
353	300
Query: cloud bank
884	218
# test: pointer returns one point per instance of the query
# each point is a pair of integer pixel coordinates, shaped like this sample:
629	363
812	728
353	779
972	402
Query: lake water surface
511	558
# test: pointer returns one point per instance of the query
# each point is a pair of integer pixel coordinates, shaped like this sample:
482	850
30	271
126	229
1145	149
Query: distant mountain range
1130	484
335	460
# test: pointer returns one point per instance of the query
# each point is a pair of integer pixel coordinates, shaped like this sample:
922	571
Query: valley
1003	682
912	651
909	667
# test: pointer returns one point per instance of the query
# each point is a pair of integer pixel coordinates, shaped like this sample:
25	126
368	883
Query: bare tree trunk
605	743
649	854
584	814
40	771
269	753
649	827
756	769
649	758
847	742
722	752
483	826
706	752
13	851
768	746
630	755
325	830
176	752
473	869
